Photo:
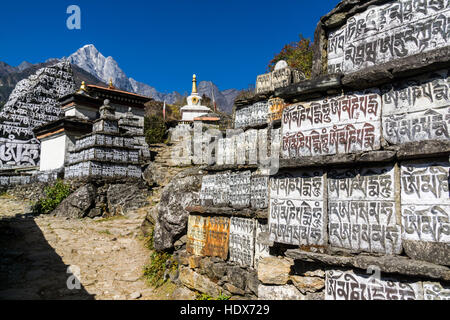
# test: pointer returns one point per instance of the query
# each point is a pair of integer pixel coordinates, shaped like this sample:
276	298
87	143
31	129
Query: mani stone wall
358	207
106	151
32	103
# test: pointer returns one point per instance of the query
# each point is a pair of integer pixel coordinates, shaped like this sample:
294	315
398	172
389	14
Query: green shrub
155	129
54	195
204	296
159	263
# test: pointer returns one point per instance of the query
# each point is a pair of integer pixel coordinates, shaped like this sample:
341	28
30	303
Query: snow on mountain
92	61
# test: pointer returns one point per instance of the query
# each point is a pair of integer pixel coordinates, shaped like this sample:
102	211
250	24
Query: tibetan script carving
362	210
276	107
208	236
341	285
217	237
253	115
208	190
242	241
425	202
297	213
32	103
259	192
262	242
417	109
240	189
196	235
342	124
435	291
388	32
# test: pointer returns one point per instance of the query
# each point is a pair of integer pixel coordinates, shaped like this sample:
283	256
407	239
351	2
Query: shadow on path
30	269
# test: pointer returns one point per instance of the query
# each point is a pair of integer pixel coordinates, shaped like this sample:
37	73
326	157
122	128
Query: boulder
78	204
149	222
252	282
308	284
203	284
237	276
181	192
154	175
273	270
183	293
123	198
286	292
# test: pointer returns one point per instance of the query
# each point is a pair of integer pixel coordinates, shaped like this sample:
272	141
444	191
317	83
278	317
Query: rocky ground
36	252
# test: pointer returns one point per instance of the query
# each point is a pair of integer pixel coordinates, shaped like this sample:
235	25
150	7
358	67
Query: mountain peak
92	61
88	47
24	65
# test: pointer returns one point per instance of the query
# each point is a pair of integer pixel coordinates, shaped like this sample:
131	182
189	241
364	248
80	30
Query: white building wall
81	112
53	152
191	115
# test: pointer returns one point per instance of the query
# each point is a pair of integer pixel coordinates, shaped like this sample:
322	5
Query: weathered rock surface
96	199
273	270
181	192
183	293
78	204
196	281
123	198
387	264
154	175
434	252
286	292
307	284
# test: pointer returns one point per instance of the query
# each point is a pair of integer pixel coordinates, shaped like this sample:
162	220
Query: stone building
81	118
113	149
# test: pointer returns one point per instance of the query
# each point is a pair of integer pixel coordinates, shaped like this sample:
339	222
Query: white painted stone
387	32
281	78
435	291
253	115
286	292
417	109
341	285
252	145
264	83
241	151
259	192
281	65
341	124
230	150
240	183
208	190
425	201
297	209
221	153
362	210
222	189
262	242
242	241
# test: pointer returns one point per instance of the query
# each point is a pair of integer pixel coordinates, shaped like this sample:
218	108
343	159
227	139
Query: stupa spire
194	84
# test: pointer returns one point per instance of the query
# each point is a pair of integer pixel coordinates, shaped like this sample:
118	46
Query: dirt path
35	253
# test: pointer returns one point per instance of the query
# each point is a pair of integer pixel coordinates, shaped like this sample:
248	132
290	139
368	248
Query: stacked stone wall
356	205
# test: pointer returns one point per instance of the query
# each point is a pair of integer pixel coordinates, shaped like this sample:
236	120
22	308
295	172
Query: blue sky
162	43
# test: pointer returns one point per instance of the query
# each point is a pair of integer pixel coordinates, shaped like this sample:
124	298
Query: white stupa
194	108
